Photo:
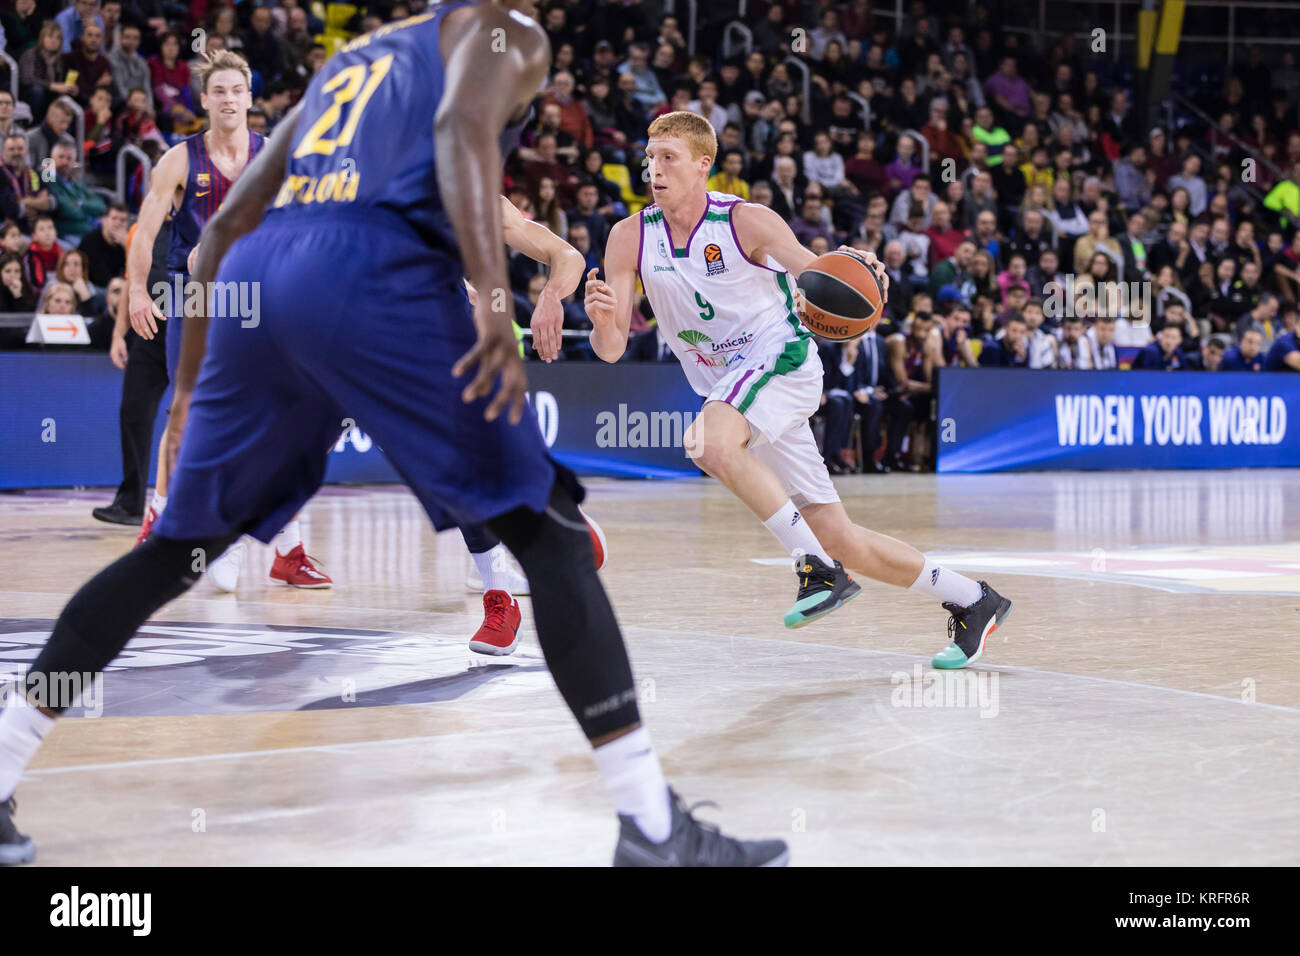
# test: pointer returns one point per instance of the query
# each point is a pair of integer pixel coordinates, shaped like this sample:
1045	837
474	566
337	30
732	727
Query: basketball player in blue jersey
384	186
190	183
495	576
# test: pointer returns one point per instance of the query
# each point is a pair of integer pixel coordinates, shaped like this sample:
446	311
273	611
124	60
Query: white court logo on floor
1211	569
207	668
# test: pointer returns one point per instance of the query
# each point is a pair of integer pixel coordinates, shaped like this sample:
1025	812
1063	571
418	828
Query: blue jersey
1233	361
1282	346
951	348
364	140
361	314
1153	357
205	191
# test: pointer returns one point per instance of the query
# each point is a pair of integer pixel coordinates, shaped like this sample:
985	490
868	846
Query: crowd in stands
1027	215
123	68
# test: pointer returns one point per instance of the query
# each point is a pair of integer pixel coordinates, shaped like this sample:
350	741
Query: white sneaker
224	572
516	583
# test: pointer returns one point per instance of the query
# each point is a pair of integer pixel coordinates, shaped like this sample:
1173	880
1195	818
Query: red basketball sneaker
499	633
146	526
298	570
597	538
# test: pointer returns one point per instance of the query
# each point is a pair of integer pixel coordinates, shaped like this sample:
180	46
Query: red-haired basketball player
720	274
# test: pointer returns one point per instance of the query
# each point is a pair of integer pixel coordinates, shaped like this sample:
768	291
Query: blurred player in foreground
337	333
493	570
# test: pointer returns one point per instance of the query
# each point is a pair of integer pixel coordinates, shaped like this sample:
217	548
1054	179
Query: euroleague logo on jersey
713	259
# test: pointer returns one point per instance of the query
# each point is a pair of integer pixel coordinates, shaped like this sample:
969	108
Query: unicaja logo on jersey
721	354
663	250
713	259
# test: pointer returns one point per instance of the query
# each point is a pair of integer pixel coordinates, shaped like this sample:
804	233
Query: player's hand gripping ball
842	294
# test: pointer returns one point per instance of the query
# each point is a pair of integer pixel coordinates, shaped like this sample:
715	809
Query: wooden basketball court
1140	706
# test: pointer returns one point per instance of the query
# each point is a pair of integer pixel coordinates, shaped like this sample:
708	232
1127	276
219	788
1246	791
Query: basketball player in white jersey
720	275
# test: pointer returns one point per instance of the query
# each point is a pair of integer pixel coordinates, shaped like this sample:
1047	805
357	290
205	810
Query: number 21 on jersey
352	89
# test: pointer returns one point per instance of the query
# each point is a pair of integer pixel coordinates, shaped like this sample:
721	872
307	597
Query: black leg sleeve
579	635
478	538
110	607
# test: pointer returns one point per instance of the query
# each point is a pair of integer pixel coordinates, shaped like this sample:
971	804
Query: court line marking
997	667
862	650
278	751
566	726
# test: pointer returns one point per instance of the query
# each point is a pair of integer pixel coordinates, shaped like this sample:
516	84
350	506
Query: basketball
844	298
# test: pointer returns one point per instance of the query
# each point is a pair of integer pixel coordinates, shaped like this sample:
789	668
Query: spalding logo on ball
843	297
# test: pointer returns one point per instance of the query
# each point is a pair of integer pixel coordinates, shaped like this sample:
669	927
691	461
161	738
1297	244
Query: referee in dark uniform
143	386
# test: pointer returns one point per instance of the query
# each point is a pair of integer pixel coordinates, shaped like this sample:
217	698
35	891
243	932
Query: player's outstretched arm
477	102
240	213
565	262
167	177
609	303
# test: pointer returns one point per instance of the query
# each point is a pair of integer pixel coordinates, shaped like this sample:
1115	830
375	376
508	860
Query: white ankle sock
792	531
288	538
158	503
494	568
22	729
636	783
946	585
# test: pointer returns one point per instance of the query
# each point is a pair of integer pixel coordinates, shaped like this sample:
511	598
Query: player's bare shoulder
624	238
758	229
505	32
934	339
173	169
755	221
753	215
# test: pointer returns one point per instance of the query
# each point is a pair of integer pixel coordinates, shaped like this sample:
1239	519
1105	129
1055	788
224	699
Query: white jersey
717	309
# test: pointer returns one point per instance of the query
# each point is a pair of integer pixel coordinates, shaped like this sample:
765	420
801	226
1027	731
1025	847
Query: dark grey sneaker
821	590
969	628
692	843
14	847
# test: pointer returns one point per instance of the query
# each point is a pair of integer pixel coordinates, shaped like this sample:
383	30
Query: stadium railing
692	16
1183	103
126	152
805	93
923	144
746	36
864	104
80	115
16	320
